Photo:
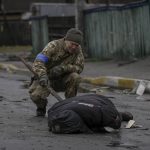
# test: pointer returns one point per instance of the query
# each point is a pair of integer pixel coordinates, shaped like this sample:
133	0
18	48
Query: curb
116	82
10	68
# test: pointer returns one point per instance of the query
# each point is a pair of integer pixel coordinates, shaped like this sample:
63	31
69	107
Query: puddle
2	98
124	145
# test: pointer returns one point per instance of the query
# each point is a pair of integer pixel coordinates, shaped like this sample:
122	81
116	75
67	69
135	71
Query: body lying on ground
85	114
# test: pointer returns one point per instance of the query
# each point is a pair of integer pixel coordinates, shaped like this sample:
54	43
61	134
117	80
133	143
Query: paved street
20	129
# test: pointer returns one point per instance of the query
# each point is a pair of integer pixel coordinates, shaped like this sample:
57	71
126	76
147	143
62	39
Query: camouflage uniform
54	55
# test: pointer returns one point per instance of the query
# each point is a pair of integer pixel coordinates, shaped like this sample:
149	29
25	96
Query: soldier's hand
43	81
57	71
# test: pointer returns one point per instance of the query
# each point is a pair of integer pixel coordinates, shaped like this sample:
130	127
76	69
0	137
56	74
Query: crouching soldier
85	114
59	64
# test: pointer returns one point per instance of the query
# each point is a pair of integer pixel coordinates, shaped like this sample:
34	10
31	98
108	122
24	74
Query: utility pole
149	6
79	6
107	3
6	24
1	5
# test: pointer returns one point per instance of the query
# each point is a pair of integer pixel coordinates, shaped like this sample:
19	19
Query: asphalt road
21	130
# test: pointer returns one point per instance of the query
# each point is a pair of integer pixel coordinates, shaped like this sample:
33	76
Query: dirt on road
21	129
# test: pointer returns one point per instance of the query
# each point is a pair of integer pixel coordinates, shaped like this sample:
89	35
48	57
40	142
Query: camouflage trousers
68	83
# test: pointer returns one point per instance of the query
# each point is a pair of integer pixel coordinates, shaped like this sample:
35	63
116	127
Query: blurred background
113	29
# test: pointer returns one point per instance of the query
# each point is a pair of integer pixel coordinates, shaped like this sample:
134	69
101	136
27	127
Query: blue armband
42	58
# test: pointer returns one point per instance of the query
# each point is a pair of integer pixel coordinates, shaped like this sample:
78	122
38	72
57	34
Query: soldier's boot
40	112
41	107
126	116
72	85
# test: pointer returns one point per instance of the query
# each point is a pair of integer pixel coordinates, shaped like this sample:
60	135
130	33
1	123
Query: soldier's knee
74	76
34	97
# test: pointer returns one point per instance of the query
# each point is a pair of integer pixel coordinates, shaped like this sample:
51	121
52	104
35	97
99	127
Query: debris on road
130	124
141	88
136	86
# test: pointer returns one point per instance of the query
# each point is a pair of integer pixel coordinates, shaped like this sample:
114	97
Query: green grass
11	49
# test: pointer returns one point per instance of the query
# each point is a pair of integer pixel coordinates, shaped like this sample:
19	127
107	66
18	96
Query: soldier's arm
41	60
77	66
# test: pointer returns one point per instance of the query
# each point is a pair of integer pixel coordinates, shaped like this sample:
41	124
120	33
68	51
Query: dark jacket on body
87	113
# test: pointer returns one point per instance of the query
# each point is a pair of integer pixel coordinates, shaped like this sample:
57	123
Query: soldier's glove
58	71
43	81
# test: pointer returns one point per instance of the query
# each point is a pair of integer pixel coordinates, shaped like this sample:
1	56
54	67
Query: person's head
126	116
73	40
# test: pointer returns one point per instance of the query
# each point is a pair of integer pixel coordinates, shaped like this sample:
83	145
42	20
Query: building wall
24	5
112	1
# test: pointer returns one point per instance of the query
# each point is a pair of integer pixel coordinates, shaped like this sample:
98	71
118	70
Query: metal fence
118	31
45	29
15	33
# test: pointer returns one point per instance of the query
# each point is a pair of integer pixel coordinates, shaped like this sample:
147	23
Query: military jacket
54	54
